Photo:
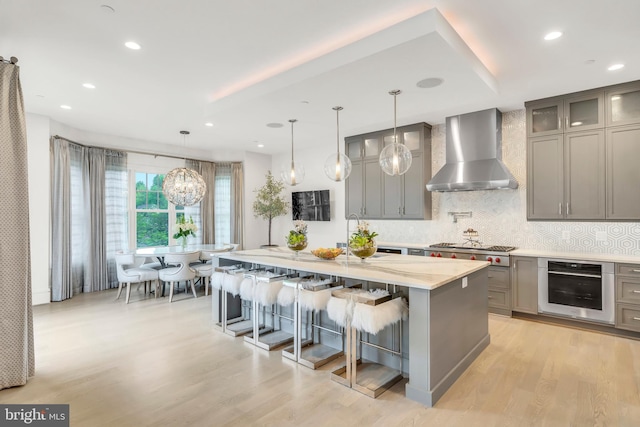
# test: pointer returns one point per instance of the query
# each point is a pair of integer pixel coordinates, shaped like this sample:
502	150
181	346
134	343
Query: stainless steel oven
580	290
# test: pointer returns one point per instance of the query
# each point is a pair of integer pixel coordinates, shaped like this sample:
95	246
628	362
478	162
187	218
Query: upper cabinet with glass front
571	113
623	104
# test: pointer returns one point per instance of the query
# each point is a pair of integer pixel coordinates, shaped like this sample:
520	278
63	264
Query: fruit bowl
327	253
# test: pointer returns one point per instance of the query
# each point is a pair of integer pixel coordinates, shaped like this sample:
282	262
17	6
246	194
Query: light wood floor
151	363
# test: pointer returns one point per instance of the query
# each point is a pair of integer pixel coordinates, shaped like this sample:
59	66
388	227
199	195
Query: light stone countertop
539	253
416	272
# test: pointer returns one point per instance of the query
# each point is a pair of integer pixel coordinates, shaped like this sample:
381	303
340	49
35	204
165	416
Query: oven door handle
562	273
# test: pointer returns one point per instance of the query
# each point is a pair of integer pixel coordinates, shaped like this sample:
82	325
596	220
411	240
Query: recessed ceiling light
615	67
65	107
553	35
274	125
430	82
209	124
88	85
132	45
260	145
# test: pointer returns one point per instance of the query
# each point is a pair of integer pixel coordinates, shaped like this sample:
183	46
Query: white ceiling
242	64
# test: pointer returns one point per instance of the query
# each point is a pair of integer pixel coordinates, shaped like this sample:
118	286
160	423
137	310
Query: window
154	213
222	204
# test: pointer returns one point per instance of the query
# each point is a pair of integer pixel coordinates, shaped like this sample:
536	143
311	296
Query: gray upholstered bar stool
309	296
266	313
370	312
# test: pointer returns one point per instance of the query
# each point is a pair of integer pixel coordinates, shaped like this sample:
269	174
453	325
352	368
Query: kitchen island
448	313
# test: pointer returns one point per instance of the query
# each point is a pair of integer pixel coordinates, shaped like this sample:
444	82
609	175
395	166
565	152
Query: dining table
160	251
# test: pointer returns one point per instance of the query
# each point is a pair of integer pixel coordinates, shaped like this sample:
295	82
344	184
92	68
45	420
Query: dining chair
181	271
204	270
133	274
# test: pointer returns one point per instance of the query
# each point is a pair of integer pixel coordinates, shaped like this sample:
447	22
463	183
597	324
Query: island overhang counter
448	310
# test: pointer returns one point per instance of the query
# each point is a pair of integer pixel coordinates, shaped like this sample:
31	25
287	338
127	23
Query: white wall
256	166
499	215
39	190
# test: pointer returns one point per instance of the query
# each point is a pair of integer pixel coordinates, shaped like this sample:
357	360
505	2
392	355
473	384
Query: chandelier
184	186
395	159
338	166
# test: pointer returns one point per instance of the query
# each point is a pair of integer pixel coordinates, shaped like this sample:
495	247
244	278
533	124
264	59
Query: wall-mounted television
311	205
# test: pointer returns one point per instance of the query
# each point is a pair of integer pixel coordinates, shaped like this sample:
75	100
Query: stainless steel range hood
473	155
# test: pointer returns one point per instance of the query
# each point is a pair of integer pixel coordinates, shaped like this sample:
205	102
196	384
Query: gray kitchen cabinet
570	113
628	297
524	284
582	150
499	290
623	172
566	175
545	182
384	196
623	104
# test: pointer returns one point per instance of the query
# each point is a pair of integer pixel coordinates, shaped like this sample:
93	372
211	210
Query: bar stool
220	310
242	322
264	295
362	311
310	296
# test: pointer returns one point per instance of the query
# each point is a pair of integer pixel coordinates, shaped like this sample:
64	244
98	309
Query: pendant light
338	166
395	159
294	175
184	186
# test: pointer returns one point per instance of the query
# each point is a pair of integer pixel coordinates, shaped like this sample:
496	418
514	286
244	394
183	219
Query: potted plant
297	238
361	242
269	202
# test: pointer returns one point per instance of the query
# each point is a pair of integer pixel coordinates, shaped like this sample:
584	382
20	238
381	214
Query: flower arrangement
361	241
297	238
185	229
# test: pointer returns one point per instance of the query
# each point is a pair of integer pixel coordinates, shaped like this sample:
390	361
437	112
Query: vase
183	241
364	251
297	247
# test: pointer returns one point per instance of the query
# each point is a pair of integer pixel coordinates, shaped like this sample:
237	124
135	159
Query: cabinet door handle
635	292
560	209
635	318
403	212
490	297
559	123
566	121
399	210
567	208
635	270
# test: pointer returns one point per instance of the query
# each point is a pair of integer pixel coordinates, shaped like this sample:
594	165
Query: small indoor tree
269	202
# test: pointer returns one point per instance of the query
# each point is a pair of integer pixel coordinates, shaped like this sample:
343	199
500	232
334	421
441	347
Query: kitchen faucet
349	219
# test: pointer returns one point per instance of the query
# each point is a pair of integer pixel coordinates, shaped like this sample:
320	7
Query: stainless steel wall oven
580	290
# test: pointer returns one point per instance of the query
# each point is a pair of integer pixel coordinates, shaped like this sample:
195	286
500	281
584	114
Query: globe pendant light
338	166
294	175
184	186
395	159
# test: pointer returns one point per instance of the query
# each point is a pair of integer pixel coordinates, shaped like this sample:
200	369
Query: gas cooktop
473	245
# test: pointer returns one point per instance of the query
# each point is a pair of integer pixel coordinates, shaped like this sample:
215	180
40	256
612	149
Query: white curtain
17	362
237	205
222	209
88	217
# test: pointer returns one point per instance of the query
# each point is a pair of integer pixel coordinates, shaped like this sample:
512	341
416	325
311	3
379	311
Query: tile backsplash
500	216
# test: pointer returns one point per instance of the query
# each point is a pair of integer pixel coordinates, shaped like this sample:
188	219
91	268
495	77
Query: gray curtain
207	205
17	362
88	196
237	204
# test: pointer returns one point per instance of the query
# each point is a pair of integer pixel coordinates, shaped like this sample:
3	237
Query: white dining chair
204	270
133	274
181	272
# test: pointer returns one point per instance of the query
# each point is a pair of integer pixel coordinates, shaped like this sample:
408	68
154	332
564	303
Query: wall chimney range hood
473	155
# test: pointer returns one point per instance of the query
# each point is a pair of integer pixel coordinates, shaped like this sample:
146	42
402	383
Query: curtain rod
139	152
13	60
